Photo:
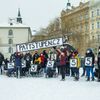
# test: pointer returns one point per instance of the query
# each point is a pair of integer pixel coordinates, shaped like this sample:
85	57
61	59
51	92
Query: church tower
68	6
19	19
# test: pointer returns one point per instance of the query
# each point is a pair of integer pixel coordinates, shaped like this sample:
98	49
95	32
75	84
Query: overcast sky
35	13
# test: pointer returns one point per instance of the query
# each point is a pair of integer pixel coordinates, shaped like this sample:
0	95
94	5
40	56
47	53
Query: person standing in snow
62	56
89	63
18	63
98	63
1	61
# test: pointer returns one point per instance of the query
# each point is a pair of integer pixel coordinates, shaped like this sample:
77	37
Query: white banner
73	63
88	61
38	45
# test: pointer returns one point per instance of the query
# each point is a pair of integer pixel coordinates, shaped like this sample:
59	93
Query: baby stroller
11	69
50	69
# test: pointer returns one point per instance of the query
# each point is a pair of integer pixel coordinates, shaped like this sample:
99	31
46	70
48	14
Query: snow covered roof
17	25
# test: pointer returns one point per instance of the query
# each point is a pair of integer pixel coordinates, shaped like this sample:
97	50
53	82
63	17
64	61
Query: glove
54	47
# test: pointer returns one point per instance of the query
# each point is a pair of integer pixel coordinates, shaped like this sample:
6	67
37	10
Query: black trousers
63	71
99	74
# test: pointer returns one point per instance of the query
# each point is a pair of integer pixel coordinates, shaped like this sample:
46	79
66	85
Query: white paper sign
38	45
50	63
73	63
88	61
10	65
33	68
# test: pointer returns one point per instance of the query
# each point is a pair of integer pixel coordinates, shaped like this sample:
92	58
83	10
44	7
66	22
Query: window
98	12
99	38
93	26
92	13
10	41
98	25
10	49
86	27
10	32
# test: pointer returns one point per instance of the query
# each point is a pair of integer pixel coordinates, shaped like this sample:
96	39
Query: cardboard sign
88	61
50	63
37	45
73	63
33	68
10	65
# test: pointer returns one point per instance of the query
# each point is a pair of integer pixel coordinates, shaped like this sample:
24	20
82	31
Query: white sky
35	13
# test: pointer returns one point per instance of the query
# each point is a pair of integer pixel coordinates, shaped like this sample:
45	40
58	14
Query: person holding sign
98	63
89	63
18	64
1	61
75	64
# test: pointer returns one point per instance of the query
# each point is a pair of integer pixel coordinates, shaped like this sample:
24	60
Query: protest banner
38	45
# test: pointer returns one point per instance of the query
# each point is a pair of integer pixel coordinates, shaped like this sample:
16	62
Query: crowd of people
66	62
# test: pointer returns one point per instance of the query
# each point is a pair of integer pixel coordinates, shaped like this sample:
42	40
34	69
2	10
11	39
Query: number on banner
73	62
88	61
10	65
50	63
33	68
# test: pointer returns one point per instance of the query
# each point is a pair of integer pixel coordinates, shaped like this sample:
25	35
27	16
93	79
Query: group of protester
66	62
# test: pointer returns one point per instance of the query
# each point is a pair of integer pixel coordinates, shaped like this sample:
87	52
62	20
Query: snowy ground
48	89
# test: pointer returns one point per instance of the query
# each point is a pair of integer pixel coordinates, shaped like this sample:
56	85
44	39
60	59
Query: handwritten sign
50	63
38	45
73	63
88	61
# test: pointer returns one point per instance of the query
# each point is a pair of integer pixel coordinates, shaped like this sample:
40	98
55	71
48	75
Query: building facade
75	24
13	33
95	24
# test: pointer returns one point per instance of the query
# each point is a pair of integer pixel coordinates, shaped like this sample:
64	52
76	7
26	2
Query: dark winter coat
35	56
1	58
98	62
28	57
18	60
93	58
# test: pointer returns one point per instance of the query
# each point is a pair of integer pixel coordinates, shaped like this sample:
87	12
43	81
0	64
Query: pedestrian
28	59
98	63
62	56
1	61
89	63
18	64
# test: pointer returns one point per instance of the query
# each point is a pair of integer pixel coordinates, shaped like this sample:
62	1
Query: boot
88	79
93	79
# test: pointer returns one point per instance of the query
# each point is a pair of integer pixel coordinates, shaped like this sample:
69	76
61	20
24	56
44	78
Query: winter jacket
98	62
18	60
28	57
78	61
1	58
62	57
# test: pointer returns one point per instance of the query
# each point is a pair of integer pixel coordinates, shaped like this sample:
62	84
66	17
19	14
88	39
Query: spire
19	15
19	19
68	5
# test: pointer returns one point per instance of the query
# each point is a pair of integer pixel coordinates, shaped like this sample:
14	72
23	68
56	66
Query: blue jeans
90	70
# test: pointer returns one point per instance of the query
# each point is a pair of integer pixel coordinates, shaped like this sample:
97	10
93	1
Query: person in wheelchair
28	59
38	63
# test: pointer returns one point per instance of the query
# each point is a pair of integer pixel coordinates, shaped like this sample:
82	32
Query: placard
33	68
37	45
50	63
73	63
88	61
10	65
